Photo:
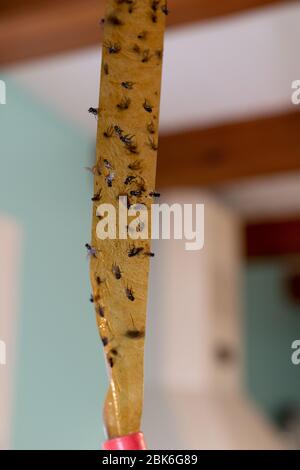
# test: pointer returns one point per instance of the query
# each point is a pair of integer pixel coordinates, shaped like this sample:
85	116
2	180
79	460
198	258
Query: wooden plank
272	238
38	28
187	11
48	27
230	152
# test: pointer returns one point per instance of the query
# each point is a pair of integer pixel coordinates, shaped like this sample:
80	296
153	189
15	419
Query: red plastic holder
134	441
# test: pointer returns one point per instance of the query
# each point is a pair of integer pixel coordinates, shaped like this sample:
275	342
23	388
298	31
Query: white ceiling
218	71
260	198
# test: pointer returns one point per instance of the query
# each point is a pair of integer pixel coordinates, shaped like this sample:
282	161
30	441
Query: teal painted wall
60	376
272	323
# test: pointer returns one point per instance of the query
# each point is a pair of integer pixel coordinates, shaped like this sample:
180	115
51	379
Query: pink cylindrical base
130	442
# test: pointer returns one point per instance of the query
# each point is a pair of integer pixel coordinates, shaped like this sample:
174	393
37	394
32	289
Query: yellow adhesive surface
127	141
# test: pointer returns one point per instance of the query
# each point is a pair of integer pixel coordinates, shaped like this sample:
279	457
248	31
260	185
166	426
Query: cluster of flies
130	145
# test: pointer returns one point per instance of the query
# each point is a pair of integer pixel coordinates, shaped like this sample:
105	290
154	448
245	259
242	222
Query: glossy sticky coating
124	176
130	442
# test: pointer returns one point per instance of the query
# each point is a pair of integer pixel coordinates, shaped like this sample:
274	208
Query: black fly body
97	196
129	179
134	251
129	294
112	48
101	311
136	193
165	9
113	20
106	69
107	164
124	104
116	271
142	35
146	56
154	194
151	127
147	106
127	85
109	132
135	166
93	111
134	334
109	179
152	144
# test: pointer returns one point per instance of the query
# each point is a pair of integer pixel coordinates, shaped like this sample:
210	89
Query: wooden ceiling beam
37	28
242	150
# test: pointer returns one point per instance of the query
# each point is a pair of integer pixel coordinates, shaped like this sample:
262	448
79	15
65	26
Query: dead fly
159	54
129	294
155	4
118	131
100	311
91	251
109	179
107	164
135	334
165	9
95	169
127	85
132	6
127	139
131	3
136	193
140	227
97	196
109	132
124	104
132	148
114	20
93	111
147	106
112	48
136	49
152	144
142	35
129	179
104	341
92	300
146	56
135	166
110	361
154	17
99	280
149	253
116	271
140	189
154	194
134	251
151	127
106	69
